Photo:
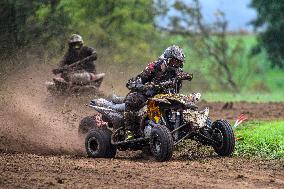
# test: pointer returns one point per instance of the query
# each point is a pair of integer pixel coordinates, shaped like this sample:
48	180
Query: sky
237	12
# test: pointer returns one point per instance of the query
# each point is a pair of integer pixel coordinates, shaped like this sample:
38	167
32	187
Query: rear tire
98	144
111	152
161	143
223	132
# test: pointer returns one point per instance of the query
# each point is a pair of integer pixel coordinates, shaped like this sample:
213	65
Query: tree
270	19
25	23
124	29
208	40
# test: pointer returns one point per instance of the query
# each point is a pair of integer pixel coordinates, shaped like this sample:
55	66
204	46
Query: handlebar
174	83
74	65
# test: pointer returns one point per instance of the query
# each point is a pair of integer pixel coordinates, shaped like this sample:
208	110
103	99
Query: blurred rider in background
83	72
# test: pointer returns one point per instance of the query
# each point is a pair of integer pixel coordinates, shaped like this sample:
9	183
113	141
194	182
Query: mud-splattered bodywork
176	113
190	114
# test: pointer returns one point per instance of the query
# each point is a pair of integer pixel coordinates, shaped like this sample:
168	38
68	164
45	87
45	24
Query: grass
276	96
275	80
261	139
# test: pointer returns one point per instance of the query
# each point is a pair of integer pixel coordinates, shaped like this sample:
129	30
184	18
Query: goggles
76	45
176	63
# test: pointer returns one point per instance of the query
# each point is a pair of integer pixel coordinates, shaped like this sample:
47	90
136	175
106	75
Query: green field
275	96
258	82
260	139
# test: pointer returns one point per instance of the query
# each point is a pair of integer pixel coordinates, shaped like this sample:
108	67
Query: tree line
130	30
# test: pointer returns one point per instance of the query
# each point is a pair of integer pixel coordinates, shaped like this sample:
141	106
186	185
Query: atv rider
82	73
158	77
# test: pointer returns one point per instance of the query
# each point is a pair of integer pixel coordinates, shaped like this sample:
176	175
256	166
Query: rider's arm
91	52
145	76
148	73
182	75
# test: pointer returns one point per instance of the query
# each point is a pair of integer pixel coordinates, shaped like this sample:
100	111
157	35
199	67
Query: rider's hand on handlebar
185	76
148	86
167	84
189	76
55	71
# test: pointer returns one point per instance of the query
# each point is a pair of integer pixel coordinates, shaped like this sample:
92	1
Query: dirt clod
240	176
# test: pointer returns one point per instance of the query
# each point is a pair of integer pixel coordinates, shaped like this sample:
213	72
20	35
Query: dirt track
253	111
34	122
26	171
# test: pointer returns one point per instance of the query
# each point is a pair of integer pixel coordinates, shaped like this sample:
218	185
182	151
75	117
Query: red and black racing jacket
158	77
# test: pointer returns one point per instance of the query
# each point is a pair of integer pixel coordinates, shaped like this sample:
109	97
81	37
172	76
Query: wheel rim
156	143
218	137
93	145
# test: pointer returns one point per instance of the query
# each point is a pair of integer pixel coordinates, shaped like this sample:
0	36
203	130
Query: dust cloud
34	121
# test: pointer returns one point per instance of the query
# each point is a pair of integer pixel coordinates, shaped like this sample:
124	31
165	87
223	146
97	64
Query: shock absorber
177	124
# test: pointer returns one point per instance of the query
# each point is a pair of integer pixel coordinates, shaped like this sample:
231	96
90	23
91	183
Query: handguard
185	76
135	85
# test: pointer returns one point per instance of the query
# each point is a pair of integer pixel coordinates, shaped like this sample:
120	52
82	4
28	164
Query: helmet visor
176	63
76	45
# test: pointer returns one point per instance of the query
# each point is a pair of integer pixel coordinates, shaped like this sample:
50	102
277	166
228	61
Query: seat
117	99
118	107
109	104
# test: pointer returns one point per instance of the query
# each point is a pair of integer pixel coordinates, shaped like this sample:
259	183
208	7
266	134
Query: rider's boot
129	135
129	124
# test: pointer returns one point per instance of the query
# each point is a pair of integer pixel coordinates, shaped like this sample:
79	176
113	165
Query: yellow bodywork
153	111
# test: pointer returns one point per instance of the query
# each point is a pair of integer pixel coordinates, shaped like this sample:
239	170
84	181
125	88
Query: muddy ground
33	171
39	147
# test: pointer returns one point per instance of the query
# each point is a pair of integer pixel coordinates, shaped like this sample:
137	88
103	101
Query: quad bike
80	81
164	121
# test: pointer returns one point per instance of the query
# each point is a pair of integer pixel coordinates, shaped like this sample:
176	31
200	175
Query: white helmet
75	38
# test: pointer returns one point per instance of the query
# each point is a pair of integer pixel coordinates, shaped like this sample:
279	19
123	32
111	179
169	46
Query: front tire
161	143
223	133
98	144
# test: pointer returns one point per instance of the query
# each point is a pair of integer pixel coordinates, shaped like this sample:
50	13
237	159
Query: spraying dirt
33	120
